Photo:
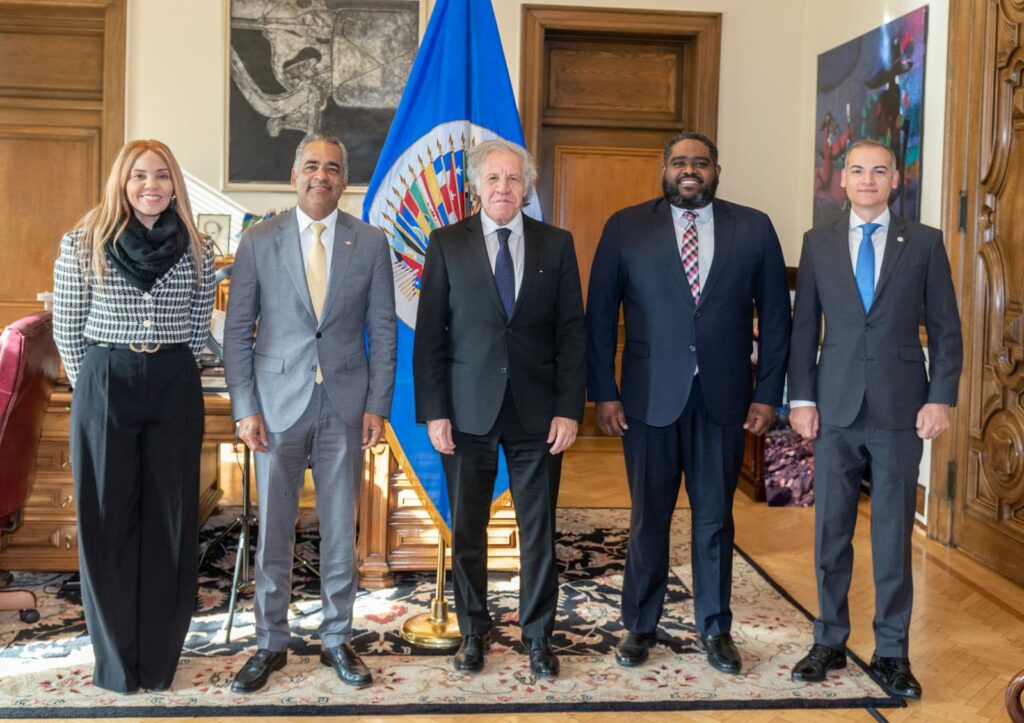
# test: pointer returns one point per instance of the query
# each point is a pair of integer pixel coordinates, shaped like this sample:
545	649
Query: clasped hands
253	432
561	435
932	420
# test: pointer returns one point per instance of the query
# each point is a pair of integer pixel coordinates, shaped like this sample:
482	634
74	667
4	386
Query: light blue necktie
866	266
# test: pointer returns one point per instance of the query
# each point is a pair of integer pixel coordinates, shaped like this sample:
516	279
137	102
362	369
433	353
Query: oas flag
458	94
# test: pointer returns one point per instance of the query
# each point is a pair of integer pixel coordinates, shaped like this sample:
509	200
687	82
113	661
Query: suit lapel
894	244
839	249
667	247
290	252
479	261
341	257
532	241
725	228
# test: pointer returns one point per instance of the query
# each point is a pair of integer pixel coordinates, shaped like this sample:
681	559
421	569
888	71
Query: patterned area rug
45	667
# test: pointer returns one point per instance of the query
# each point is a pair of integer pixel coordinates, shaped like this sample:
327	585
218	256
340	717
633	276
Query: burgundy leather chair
29	365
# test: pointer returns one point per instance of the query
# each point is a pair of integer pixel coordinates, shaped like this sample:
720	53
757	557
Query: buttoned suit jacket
466	350
274	373
638	266
875	355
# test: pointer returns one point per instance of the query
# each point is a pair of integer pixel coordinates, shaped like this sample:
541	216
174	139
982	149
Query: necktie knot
318	230
868	229
690	216
503	235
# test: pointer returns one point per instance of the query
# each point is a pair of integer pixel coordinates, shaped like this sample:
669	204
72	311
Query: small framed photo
218	227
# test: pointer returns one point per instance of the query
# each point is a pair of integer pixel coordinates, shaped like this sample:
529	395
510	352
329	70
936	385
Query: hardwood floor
967	633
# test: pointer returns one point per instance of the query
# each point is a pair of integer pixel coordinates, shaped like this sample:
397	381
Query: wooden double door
62	65
978	481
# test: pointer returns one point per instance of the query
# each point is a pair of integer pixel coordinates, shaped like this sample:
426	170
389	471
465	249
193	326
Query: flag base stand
438	629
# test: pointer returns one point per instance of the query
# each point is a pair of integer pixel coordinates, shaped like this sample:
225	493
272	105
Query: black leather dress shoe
721	651
543	661
346	664
896	676
814	667
257	670
470	658
633	648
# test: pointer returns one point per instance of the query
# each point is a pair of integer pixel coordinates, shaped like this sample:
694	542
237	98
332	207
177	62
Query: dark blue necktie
504	272
866	266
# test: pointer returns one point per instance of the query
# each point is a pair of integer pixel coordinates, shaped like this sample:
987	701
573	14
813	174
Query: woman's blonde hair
101	224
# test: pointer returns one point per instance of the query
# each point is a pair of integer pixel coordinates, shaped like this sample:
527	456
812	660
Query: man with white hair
499	361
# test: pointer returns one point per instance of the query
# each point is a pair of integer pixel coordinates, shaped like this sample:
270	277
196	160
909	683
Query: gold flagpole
438	629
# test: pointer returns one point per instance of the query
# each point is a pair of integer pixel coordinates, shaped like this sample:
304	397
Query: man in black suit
498	361
688	271
868	400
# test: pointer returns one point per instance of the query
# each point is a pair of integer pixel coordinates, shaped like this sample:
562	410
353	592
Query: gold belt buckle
144	347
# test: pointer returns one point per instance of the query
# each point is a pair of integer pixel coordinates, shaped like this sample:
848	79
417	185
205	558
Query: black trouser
136	434
709	455
534	474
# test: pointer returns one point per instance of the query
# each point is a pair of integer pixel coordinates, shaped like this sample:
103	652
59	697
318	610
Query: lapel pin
348	241
899	239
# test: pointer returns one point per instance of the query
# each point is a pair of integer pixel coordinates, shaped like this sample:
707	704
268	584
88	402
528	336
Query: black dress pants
136	435
534	475
709	455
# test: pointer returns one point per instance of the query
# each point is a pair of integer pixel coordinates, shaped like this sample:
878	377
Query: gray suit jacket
877	355
275	373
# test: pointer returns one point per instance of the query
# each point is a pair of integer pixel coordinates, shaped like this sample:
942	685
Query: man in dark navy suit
688	271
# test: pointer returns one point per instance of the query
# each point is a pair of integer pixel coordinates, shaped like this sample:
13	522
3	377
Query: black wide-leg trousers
136	435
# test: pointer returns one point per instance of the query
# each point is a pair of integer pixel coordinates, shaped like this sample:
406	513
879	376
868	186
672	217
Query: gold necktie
316	277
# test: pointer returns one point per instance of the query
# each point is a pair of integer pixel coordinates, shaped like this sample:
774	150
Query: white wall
176	90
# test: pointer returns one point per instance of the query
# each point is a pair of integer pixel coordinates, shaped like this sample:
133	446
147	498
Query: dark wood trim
703	29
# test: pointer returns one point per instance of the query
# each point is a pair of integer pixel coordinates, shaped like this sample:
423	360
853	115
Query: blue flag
458	95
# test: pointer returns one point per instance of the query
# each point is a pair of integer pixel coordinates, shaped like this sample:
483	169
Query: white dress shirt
856	235
306	236
515	243
705	223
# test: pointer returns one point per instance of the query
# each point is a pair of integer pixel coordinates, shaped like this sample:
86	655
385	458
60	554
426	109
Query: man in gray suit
868	400
311	285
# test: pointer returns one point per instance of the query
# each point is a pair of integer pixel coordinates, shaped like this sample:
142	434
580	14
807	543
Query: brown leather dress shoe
896	676
543	661
814	667
254	674
349	667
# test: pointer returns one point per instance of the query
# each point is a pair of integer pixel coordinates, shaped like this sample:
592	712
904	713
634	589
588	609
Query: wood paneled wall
61	124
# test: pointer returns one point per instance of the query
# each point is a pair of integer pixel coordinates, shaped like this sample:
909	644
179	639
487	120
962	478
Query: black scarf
142	255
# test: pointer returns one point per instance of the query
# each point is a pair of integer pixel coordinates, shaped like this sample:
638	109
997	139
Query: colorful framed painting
872	87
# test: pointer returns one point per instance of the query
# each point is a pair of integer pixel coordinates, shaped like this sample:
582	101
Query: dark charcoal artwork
302	66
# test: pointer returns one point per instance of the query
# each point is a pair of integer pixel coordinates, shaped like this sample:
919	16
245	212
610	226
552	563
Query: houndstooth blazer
175	310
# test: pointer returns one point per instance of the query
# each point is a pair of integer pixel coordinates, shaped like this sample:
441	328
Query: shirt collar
704	214
305	221
856	221
515	225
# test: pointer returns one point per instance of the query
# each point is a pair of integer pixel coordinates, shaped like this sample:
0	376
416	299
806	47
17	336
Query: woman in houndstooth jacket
133	294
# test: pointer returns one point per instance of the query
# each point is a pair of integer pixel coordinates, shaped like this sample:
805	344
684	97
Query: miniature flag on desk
458	95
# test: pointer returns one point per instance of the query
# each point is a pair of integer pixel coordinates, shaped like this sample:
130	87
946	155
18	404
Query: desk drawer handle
67	542
67	500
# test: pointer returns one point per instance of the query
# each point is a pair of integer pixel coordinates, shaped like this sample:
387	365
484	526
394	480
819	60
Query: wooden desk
48	537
